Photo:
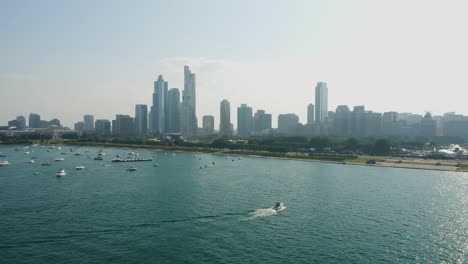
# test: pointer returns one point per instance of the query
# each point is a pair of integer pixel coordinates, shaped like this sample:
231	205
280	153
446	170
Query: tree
381	147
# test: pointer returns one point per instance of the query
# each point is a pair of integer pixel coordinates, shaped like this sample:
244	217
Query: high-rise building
287	123
428	126
124	125
390	124
244	121
321	102
79	126
225	128
208	124
34	121
173	113
141	120
159	109
13	124
103	127
261	121
342	121
20	122
189	109
88	122
310	114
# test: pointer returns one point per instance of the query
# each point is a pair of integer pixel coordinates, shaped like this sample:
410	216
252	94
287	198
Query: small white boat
155	165
81	167
47	163
4	163
31	161
61	173
278	207
59	159
98	158
131	169
27	153
36	173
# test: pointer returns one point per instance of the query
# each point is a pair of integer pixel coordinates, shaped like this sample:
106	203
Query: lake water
179	213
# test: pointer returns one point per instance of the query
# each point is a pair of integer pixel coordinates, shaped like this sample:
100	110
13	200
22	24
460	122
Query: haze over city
64	60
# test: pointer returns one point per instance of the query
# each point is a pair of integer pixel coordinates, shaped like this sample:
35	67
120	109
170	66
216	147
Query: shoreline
382	162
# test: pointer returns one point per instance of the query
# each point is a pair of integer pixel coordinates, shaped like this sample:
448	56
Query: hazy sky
64	59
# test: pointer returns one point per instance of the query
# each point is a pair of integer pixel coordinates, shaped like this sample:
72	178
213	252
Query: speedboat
131	169
47	163
59	159
36	173
81	167
31	161
4	163
155	165
61	173
278	206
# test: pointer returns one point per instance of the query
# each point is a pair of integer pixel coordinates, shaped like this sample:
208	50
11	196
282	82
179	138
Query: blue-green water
179	213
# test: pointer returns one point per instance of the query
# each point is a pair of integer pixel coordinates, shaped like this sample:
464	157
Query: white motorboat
47	163
31	161
4	163
59	159
27	153
98	158
278	206
81	167
61	173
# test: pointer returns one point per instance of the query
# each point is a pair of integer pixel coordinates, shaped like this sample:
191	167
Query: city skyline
379	64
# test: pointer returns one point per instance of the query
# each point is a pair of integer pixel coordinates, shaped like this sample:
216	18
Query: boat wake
265	212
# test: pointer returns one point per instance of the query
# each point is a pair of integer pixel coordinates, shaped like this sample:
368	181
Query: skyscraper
321	102
34	120
225	118
102	127
244	121
141	120
261	121
287	123
173	113
88	122
124	125
310	114
208	124
189	110
20	122
158	110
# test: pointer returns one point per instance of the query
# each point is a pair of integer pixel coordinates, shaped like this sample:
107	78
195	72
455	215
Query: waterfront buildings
321	102
158	110
88	121
34	121
244	121
123	125
287	123
208	125
310	114
102	127
261	122
173	111
141	120
225	127
189	109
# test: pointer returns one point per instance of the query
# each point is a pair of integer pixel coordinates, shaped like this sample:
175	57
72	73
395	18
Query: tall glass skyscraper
159	110
173	112
244	121
88	122
225	118
141	120
189	124
310	114
34	120
321	103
